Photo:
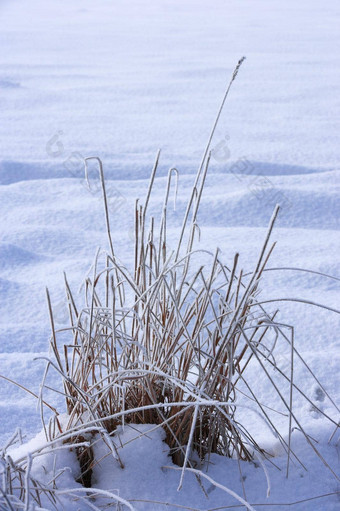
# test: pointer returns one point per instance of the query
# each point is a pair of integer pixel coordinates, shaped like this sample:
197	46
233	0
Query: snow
120	80
149	480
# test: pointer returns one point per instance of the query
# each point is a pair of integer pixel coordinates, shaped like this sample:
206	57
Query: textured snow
120	80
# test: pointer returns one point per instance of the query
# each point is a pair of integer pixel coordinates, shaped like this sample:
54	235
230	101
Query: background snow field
119	80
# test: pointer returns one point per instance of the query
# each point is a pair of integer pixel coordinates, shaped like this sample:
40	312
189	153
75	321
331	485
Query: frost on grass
166	347
167	344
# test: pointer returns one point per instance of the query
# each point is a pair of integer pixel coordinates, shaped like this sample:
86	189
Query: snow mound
147	479
8	84
13	256
8	286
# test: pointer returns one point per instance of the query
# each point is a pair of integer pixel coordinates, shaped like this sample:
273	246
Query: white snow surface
120	80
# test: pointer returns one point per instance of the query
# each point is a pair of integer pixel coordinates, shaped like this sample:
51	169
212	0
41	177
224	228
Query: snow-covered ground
120	80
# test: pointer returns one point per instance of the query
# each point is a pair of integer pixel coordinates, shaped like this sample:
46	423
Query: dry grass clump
169	342
165	344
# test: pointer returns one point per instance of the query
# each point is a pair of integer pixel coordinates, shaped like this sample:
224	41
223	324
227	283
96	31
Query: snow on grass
121	80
